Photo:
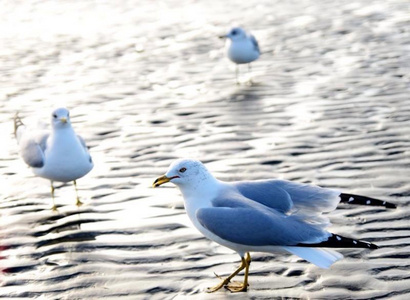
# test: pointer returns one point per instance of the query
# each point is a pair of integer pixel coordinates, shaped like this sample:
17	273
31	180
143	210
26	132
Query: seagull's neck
56	132
199	196
61	136
201	193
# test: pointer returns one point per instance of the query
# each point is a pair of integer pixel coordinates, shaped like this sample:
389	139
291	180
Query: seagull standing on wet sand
58	156
241	48
262	216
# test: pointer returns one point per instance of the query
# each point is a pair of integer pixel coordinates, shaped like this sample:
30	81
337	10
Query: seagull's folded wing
32	146
82	142
255	225
285	195
254	42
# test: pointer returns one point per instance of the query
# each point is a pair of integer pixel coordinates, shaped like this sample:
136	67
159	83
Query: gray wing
285	195
254	42
309	198
266	193
82	143
254	227
84	146
32	149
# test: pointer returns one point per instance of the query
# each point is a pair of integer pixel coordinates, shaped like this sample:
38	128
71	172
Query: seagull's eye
182	170
234	32
54	116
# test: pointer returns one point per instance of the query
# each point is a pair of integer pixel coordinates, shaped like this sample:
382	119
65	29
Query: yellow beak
161	180
64	120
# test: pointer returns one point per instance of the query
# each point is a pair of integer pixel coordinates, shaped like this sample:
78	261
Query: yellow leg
54	207
236	287
78	203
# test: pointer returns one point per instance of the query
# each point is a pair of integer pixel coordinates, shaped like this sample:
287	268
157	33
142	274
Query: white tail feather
321	257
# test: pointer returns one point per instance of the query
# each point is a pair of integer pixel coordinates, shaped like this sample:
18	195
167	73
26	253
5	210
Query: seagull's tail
323	258
18	126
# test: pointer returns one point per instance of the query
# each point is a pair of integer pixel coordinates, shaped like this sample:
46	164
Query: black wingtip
373	246
363	200
338	241
390	205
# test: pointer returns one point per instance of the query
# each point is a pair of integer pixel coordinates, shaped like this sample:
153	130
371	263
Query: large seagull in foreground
263	216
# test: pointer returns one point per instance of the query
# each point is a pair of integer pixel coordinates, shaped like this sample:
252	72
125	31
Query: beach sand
147	82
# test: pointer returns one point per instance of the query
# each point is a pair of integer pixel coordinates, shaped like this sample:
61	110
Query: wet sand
147	83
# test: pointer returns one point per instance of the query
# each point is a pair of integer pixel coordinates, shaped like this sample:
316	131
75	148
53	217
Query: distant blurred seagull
58	156
262	216
241	47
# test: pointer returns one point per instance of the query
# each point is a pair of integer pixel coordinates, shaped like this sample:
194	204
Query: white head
236	33
186	174
60	118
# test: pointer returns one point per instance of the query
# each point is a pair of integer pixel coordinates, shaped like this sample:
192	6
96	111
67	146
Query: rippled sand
147	82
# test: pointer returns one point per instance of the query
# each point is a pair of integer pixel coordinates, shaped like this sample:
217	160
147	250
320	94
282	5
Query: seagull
241	47
58	156
262	216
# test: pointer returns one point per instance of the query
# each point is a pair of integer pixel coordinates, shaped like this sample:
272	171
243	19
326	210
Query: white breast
65	158
202	199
